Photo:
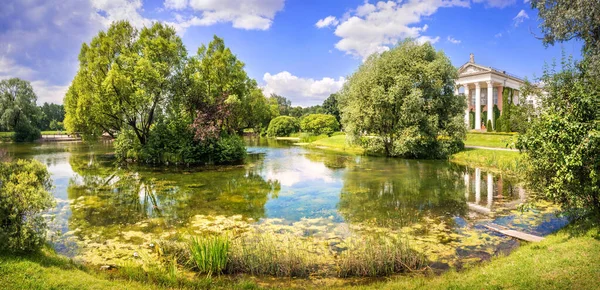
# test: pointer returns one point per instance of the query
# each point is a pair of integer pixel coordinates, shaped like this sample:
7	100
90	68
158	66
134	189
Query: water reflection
319	193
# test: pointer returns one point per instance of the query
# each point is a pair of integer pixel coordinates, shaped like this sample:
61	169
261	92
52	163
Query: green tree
563	143
24	196
318	124
125	78
405	97
283	105
330	106
283	126
51	112
18	110
563	20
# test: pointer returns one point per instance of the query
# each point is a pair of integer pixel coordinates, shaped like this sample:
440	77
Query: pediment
471	69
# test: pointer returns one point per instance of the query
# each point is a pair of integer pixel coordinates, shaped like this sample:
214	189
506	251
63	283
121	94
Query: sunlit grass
509	162
337	143
496	140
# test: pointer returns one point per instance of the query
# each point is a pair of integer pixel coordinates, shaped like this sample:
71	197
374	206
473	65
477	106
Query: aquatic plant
378	256
210	254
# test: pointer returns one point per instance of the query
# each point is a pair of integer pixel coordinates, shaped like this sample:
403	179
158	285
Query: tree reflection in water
105	195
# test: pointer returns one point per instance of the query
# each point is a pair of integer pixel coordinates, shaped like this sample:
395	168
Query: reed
210	254
378	256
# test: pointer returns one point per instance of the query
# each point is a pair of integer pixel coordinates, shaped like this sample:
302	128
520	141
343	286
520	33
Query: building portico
482	87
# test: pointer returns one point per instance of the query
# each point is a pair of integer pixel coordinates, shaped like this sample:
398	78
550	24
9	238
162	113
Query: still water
105	210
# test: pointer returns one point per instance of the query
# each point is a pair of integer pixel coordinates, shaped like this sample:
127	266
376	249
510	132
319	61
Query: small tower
472	58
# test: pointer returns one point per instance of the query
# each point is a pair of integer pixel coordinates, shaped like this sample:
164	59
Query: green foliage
210	254
472	119
283	126
496	116
405	98
51	113
319	124
18	111
24	195
330	106
563	143
489	127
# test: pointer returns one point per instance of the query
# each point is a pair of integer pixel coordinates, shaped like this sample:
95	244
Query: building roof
472	68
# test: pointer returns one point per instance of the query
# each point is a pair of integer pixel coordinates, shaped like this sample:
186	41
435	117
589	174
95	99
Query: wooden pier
512	233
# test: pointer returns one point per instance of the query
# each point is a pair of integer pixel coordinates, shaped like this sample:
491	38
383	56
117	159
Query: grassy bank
493	160
568	259
496	140
336	143
47	270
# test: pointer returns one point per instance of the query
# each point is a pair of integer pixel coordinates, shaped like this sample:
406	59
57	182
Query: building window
495	96
472	93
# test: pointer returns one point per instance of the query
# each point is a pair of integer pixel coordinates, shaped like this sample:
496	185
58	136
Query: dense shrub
174	143
283	126
24	195
26	132
319	124
489	126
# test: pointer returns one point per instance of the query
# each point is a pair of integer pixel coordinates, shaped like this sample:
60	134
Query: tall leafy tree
220	95
405	97
330	106
18	109
125	78
283	105
51	112
563	20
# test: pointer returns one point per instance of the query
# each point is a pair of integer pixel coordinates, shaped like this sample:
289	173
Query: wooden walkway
512	233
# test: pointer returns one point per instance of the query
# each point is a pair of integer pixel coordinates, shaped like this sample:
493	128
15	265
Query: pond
108	212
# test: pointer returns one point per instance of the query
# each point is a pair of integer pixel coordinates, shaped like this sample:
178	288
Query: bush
489	126
319	124
25	132
283	126
24	195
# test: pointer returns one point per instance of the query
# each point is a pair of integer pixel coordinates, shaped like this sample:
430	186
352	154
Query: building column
468	97
477	185
490	190
477	106
490	102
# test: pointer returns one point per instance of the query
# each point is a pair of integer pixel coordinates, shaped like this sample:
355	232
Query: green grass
337	143
210	254
496	140
568	259
48	270
510	162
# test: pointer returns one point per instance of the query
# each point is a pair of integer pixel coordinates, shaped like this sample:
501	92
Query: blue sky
301	49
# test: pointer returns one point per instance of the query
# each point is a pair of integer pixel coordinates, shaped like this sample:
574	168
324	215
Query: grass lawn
495	160
336	143
497	140
568	259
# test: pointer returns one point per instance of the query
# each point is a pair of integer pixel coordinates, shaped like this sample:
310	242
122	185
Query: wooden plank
515	234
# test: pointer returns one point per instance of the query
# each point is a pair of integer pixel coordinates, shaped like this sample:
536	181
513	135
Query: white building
483	87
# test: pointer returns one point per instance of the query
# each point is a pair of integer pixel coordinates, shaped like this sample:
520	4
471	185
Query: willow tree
18	109
402	103
124	80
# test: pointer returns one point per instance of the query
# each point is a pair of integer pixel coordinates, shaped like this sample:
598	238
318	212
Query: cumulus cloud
373	28
520	18
115	10
301	91
453	40
496	3
45	91
327	21
249	14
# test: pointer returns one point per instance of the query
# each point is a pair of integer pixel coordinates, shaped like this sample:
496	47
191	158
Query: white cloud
327	21
176	4
496	3
520	18
498	35
248	14
45	91
373	28
453	40
301	91
115	10
525	1
423	39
